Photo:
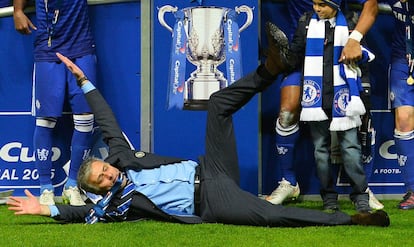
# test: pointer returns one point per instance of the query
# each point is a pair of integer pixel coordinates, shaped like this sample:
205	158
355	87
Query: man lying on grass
139	185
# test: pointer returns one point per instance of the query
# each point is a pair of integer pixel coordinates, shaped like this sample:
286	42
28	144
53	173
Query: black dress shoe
276	61
377	218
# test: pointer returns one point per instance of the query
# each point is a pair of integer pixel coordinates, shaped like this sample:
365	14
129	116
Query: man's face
103	175
323	10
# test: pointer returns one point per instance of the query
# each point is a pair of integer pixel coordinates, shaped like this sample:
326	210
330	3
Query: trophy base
195	105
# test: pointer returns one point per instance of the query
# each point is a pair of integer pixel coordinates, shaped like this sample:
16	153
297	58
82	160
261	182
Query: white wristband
356	35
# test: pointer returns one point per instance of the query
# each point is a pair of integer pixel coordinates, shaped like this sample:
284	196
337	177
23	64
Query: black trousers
222	200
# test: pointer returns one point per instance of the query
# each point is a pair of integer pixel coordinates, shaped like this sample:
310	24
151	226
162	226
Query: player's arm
352	51
367	18
21	22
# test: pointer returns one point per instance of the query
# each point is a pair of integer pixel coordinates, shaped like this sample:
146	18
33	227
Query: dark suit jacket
122	157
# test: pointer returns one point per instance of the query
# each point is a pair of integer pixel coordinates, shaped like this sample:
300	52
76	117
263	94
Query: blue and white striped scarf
347	105
114	205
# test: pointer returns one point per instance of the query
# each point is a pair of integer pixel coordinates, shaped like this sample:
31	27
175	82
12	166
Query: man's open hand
29	205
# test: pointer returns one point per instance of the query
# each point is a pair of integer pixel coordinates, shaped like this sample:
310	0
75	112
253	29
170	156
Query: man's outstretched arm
104	117
29	205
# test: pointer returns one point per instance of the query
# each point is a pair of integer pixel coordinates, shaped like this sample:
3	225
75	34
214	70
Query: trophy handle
162	11
246	9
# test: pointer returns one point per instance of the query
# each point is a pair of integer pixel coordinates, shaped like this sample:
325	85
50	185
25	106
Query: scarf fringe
313	114
344	123
355	107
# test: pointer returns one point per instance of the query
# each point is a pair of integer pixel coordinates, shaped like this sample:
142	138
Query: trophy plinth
202	83
205	48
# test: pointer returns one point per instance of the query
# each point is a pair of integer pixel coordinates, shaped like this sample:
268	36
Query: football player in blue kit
402	93
61	25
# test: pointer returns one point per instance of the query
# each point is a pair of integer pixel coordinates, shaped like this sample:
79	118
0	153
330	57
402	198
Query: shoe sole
279	39
278	36
406	207
289	199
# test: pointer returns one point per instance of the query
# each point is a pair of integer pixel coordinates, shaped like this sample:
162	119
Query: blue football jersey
403	16
62	26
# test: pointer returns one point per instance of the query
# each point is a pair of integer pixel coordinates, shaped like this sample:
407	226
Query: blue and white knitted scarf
119	210
347	105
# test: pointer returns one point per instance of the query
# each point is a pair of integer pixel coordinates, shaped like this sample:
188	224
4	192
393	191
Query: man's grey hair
84	174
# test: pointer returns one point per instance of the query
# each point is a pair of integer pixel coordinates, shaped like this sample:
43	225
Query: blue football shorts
54	83
401	94
293	79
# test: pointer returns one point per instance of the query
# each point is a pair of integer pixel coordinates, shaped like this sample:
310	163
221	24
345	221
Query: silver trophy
205	49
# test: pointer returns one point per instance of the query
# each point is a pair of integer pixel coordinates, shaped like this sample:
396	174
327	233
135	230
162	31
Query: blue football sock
368	161
42	141
81	143
71	183
404	143
286	139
